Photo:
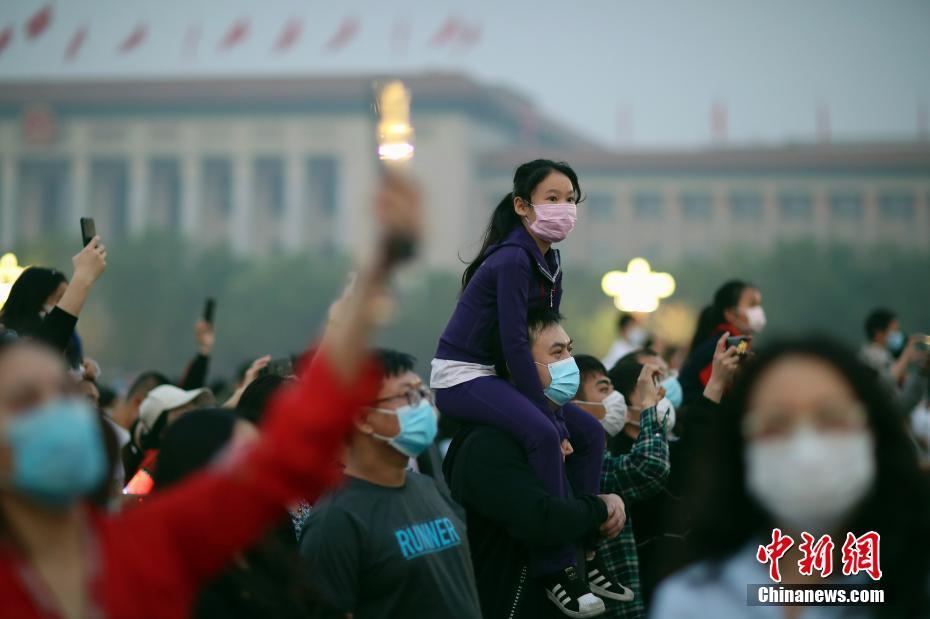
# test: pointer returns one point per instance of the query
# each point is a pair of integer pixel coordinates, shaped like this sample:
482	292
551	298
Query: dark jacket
508	511
491	313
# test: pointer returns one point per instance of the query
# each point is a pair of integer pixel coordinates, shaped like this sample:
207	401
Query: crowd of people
646	483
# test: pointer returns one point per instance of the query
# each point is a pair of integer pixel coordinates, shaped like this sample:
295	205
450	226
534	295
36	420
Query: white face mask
811	480
755	318
615	415
637	336
665	410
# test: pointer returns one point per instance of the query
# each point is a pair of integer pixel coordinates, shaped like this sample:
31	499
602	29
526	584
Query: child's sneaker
601	584
569	593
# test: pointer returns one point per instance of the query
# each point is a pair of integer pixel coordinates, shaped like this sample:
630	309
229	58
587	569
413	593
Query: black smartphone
280	367
209	308
88	230
740	342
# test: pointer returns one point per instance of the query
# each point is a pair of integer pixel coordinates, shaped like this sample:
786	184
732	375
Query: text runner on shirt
388	544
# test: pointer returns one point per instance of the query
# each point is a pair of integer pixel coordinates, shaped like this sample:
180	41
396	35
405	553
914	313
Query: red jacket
151	560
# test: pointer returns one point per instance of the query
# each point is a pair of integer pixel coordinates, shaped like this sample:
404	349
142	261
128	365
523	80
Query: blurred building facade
281	164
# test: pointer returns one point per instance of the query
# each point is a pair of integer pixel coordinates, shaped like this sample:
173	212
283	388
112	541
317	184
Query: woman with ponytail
737	310
516	271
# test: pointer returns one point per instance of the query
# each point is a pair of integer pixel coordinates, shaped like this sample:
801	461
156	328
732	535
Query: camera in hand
740	342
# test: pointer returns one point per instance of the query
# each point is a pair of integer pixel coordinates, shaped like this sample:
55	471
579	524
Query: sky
629	73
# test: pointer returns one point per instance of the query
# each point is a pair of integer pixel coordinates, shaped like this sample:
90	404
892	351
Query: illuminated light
9	273
395	133
639	288
395	152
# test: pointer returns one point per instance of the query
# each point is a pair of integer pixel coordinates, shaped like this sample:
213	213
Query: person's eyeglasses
413	397
777	422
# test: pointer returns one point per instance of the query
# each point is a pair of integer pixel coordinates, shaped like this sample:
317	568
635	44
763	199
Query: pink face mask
554	221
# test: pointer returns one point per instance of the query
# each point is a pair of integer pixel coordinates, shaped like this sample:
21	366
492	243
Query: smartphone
88	230
280	367
209	308
740	342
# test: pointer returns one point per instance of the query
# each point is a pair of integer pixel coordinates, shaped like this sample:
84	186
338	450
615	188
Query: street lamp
639	288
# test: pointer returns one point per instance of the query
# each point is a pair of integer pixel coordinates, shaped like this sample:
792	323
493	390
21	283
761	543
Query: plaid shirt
635	476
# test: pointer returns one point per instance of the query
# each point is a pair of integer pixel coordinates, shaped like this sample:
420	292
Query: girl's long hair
505	218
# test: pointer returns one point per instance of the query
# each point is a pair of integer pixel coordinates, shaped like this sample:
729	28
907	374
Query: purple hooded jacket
514	278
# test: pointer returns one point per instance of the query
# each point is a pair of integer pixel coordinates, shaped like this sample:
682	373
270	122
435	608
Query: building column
190	194
80	174
7	199
241	223
922	215
295	182
821	213
79	187
770	231
138	183
870	214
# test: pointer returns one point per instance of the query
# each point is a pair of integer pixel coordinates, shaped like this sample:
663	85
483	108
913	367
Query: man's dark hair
588	365
624	375
147	381
878	320
107	395
394	362
624	320
539	319
257	395
634	355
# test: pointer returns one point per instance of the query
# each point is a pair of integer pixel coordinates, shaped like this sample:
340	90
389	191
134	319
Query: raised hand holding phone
89	265
726	362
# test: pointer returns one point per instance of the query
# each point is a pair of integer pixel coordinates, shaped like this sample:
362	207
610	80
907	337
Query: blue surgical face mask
565	380
418	428
895	341
673	390
58	452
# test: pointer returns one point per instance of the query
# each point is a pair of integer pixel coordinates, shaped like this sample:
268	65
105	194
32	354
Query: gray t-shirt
376	551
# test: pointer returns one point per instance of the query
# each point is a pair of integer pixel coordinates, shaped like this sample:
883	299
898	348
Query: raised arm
357	313
193	529
89	265
642	473
58	326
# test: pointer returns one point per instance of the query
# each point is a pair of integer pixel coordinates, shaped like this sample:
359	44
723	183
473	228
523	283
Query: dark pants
492	401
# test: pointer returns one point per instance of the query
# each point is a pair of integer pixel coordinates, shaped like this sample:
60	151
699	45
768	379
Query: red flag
77	40
346	32
191	40
135	38
6	35
822	121
38	23
289	35
470	35
718	121
236	34
449	31
400	36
